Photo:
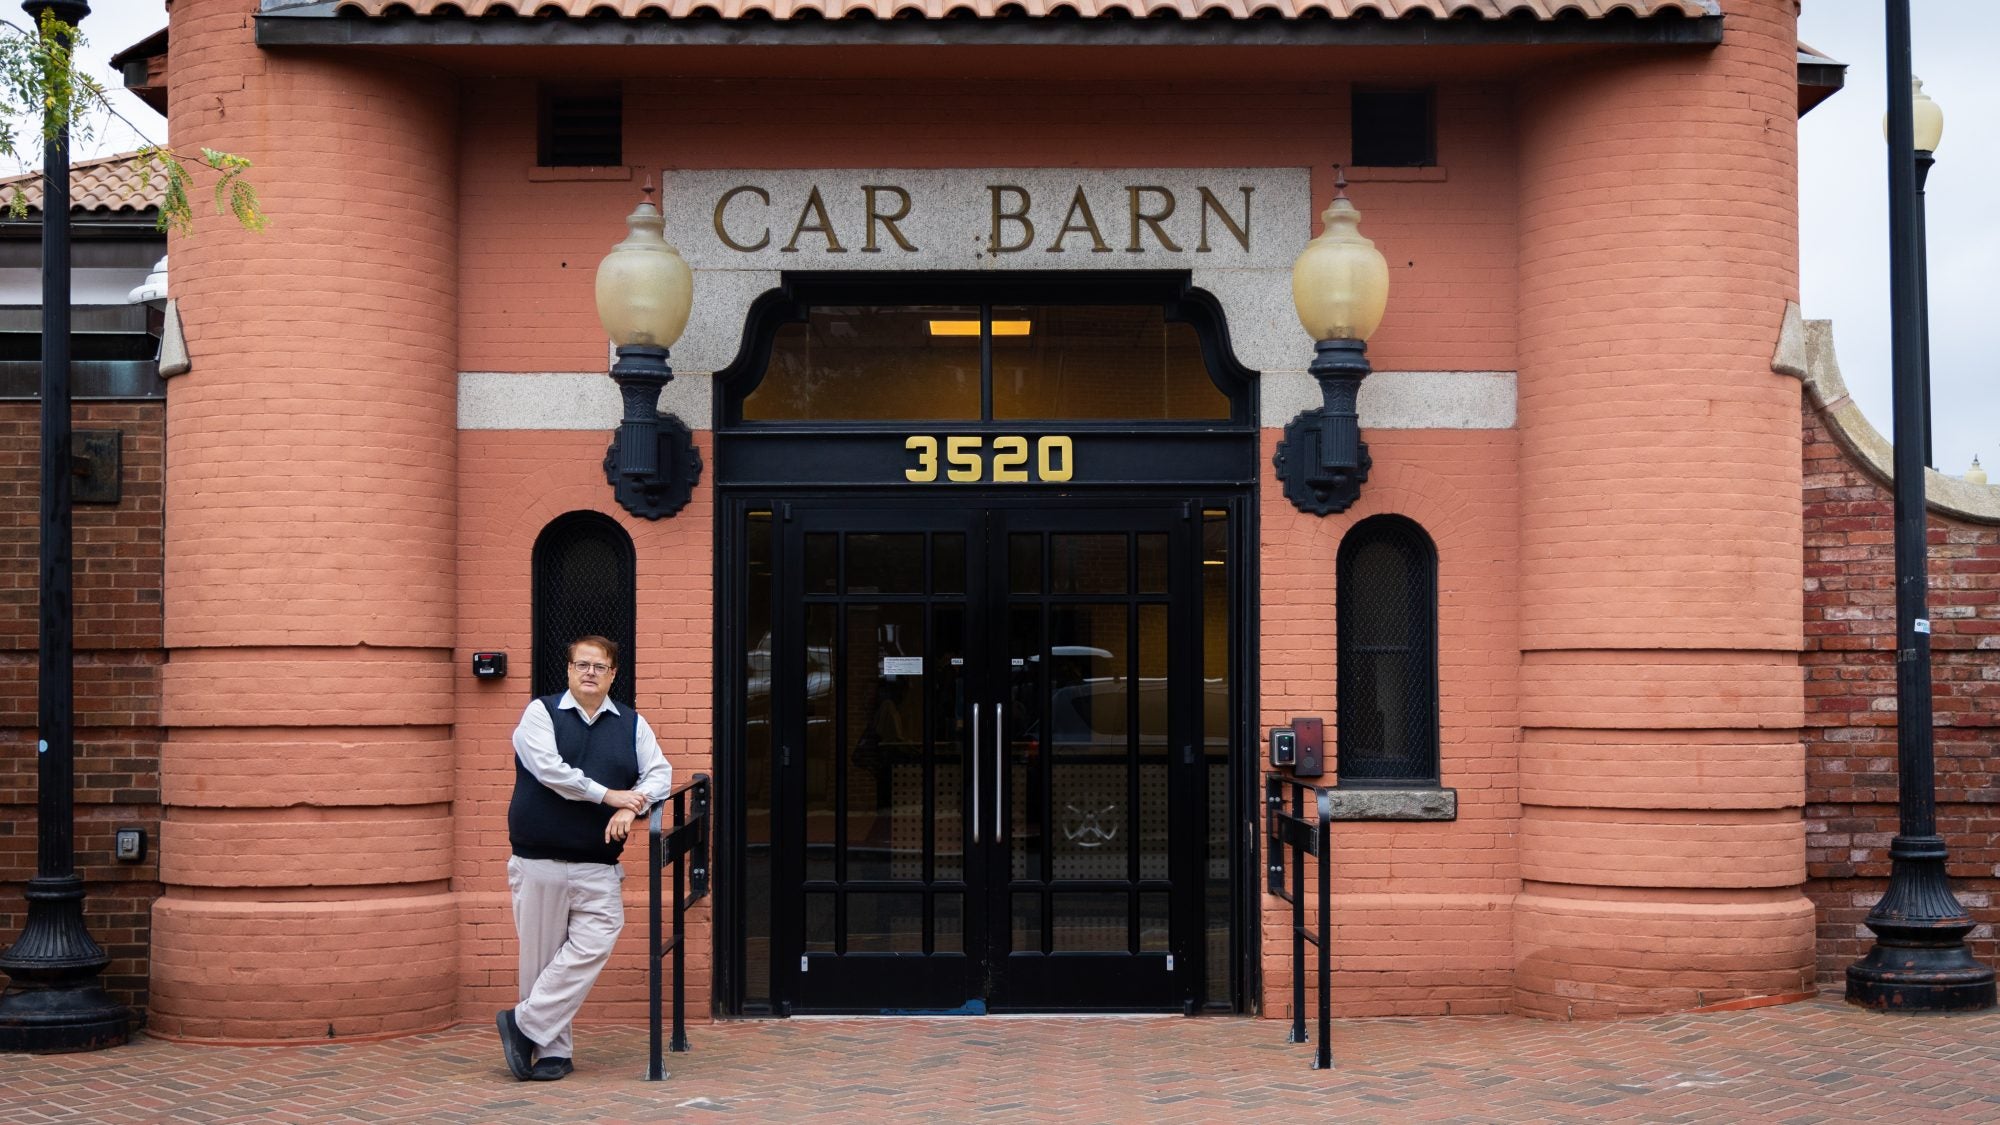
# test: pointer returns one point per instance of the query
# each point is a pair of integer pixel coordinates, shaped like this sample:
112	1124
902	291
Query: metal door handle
999	756
973	762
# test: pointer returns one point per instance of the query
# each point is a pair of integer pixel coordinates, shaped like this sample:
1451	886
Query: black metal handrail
1304	837
688	838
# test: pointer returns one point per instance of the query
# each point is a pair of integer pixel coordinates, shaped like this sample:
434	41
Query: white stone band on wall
569	400
1401	400
587	400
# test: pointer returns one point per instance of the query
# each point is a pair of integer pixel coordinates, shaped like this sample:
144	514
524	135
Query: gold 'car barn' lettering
1149	214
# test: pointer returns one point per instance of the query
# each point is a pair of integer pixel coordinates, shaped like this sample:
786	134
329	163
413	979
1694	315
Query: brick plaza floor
1809	1062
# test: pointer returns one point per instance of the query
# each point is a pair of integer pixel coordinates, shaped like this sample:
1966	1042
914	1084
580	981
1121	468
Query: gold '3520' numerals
966	459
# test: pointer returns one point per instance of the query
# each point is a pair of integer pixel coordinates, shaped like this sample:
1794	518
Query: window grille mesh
582	127
583	586
1387	604
1393	128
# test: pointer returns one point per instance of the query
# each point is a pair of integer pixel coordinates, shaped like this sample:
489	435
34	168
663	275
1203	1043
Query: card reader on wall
1284	748
1312	747
489	665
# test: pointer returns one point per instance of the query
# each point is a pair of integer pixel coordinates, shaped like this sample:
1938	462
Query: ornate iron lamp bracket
1322	461
652	464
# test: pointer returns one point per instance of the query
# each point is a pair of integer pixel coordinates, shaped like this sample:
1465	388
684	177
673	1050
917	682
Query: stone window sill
543	174
1394	804
1422	174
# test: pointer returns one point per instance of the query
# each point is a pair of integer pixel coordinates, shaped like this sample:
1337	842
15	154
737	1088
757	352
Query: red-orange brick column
1662	848
311	575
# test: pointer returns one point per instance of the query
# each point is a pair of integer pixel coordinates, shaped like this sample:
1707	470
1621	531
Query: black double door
988	720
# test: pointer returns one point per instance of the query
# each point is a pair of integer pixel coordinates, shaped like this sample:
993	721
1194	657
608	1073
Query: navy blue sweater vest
544	824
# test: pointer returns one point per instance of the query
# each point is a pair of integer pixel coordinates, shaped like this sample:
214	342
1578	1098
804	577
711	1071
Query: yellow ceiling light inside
971	327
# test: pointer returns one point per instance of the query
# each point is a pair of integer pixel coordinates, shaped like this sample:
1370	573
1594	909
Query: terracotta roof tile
988	9
106	183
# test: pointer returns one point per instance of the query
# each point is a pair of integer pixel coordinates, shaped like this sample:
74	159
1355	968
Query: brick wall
307	777
1422	921
117	552
1850	732
1659	607
512	484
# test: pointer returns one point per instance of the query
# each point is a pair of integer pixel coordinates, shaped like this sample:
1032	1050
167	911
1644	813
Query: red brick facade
118	660
1850	732
1619	701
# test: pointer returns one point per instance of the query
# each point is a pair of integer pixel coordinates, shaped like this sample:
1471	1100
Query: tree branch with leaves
39	78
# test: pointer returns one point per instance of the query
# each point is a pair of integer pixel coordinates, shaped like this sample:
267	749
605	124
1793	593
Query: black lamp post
53	1000
644	294
1927	129
1919	962
1340	286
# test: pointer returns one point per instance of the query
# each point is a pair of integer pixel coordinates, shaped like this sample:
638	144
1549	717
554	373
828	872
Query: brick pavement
1818	1061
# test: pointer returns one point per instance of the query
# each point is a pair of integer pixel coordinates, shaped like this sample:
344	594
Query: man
584	770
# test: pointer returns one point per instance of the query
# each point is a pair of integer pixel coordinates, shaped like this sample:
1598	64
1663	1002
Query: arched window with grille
1386	599
584	585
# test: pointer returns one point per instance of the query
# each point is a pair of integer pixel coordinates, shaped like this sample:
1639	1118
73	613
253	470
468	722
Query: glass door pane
883	692
1091	648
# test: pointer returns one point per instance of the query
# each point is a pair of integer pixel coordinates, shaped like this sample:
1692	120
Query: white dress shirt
535	746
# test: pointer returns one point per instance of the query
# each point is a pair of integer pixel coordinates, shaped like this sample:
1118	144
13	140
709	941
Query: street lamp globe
1926	119
644	288
1340	283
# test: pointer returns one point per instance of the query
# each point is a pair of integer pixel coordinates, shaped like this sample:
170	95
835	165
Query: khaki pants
568	916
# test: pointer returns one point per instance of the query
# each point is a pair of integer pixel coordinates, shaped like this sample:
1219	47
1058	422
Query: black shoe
551	1068
515	1045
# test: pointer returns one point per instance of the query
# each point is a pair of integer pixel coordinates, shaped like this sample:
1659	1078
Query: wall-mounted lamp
644	293
163	320
1340	286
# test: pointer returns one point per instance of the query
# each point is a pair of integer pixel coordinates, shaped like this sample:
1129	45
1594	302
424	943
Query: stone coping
1872	453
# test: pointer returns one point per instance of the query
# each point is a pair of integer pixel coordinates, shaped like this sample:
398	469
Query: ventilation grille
582	127
1393	129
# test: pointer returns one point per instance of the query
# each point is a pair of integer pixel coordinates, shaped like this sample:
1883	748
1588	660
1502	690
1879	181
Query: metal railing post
1324	1059
1289	830
688	839
680	1041
654	1070
1298	931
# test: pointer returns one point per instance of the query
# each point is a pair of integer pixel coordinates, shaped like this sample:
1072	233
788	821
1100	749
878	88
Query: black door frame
985	969
1236	492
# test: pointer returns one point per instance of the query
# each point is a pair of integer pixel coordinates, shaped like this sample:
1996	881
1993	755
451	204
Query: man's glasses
590	667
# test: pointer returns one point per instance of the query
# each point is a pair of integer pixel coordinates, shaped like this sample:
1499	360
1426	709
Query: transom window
986	362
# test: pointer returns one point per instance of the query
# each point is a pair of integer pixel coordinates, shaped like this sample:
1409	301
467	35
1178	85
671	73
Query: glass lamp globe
1926	119
644	288
1340	283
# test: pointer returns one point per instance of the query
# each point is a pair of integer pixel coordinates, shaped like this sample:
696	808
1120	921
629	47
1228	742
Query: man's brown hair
609	646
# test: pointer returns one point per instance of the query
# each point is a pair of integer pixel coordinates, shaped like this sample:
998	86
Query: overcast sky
1843	197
